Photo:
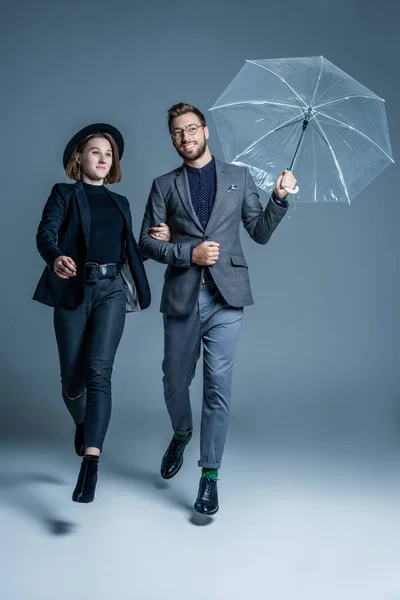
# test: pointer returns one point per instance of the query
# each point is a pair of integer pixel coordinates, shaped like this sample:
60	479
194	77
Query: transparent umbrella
307	115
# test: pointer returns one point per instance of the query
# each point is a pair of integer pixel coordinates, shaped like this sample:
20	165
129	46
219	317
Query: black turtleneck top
107	226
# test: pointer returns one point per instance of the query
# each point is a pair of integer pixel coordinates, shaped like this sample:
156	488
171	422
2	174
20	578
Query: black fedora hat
90	129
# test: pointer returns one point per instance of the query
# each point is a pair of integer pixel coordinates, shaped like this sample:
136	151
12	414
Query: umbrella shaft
305	123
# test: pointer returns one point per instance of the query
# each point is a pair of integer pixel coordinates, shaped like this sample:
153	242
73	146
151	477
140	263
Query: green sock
210	473
181	437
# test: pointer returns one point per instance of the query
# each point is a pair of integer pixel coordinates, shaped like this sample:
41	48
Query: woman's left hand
161	233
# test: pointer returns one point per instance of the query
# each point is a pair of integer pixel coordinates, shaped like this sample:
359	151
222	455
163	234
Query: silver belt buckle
104	270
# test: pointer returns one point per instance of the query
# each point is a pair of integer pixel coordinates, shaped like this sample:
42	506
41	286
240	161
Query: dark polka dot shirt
202	185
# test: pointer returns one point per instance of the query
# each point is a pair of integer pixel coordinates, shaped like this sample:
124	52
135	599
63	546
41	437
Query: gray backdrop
318	363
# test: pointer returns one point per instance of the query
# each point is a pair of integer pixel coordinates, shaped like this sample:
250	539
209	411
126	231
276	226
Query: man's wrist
278	200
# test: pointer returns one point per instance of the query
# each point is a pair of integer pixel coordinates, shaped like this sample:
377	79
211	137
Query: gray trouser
216	324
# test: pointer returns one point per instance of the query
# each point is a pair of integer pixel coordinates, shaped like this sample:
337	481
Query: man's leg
220	334
220	325
181	353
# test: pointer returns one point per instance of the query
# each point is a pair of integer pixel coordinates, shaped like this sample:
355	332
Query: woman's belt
94	272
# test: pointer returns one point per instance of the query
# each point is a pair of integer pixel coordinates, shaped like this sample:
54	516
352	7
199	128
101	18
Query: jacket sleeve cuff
51	255
280	202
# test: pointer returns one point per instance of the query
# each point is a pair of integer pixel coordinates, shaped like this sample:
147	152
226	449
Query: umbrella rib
357	131
348	98
254	102
336	161
319	79
290	122
315	166
281	78
319	133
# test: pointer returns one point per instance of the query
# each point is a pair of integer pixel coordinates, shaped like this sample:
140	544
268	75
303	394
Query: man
206	284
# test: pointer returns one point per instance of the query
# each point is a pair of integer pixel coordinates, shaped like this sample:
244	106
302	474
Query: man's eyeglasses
190	129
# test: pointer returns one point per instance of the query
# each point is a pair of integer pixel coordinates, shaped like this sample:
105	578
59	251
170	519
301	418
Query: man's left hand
286	179
161	233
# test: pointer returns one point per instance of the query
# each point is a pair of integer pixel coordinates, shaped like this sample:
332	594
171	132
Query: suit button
206	237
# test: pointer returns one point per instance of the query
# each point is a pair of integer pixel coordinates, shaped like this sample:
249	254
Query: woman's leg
106	326
104	331
70	326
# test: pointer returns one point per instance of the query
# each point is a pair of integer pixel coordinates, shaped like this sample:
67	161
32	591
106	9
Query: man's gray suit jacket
170	202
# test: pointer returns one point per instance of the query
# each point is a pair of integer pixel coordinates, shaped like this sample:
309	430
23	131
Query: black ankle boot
80	439
87	479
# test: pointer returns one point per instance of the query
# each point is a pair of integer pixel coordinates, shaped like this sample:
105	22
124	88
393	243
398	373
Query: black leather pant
87	339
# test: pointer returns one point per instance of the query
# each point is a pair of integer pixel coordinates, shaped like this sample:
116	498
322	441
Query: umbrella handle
289	191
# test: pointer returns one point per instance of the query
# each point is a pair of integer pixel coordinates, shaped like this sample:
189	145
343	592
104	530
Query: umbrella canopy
308	115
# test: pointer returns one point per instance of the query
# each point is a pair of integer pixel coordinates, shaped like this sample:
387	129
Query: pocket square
233	187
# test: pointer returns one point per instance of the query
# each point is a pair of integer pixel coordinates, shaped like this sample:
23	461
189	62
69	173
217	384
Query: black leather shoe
173	457
80	439
87	479
207	498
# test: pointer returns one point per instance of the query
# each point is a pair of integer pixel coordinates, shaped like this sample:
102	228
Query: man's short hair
177	110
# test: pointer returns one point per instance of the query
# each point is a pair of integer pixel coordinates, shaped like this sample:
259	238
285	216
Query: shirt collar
208	168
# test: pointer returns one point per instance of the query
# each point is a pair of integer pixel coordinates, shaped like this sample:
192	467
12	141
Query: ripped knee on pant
74	398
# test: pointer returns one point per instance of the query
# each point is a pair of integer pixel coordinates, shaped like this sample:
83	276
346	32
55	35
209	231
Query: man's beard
190	157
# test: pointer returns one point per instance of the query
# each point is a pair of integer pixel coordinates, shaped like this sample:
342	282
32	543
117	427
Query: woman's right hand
64	267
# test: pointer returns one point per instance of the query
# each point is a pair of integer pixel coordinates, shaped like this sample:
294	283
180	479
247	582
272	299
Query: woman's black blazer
64	230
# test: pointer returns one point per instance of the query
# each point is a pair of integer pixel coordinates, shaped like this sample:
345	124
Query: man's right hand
64	267
206	254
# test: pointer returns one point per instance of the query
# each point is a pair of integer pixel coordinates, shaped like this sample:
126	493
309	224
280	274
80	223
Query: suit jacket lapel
182	185
221	187
84	210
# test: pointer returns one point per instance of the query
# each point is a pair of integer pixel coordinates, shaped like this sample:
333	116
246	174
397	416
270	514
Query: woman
94	275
